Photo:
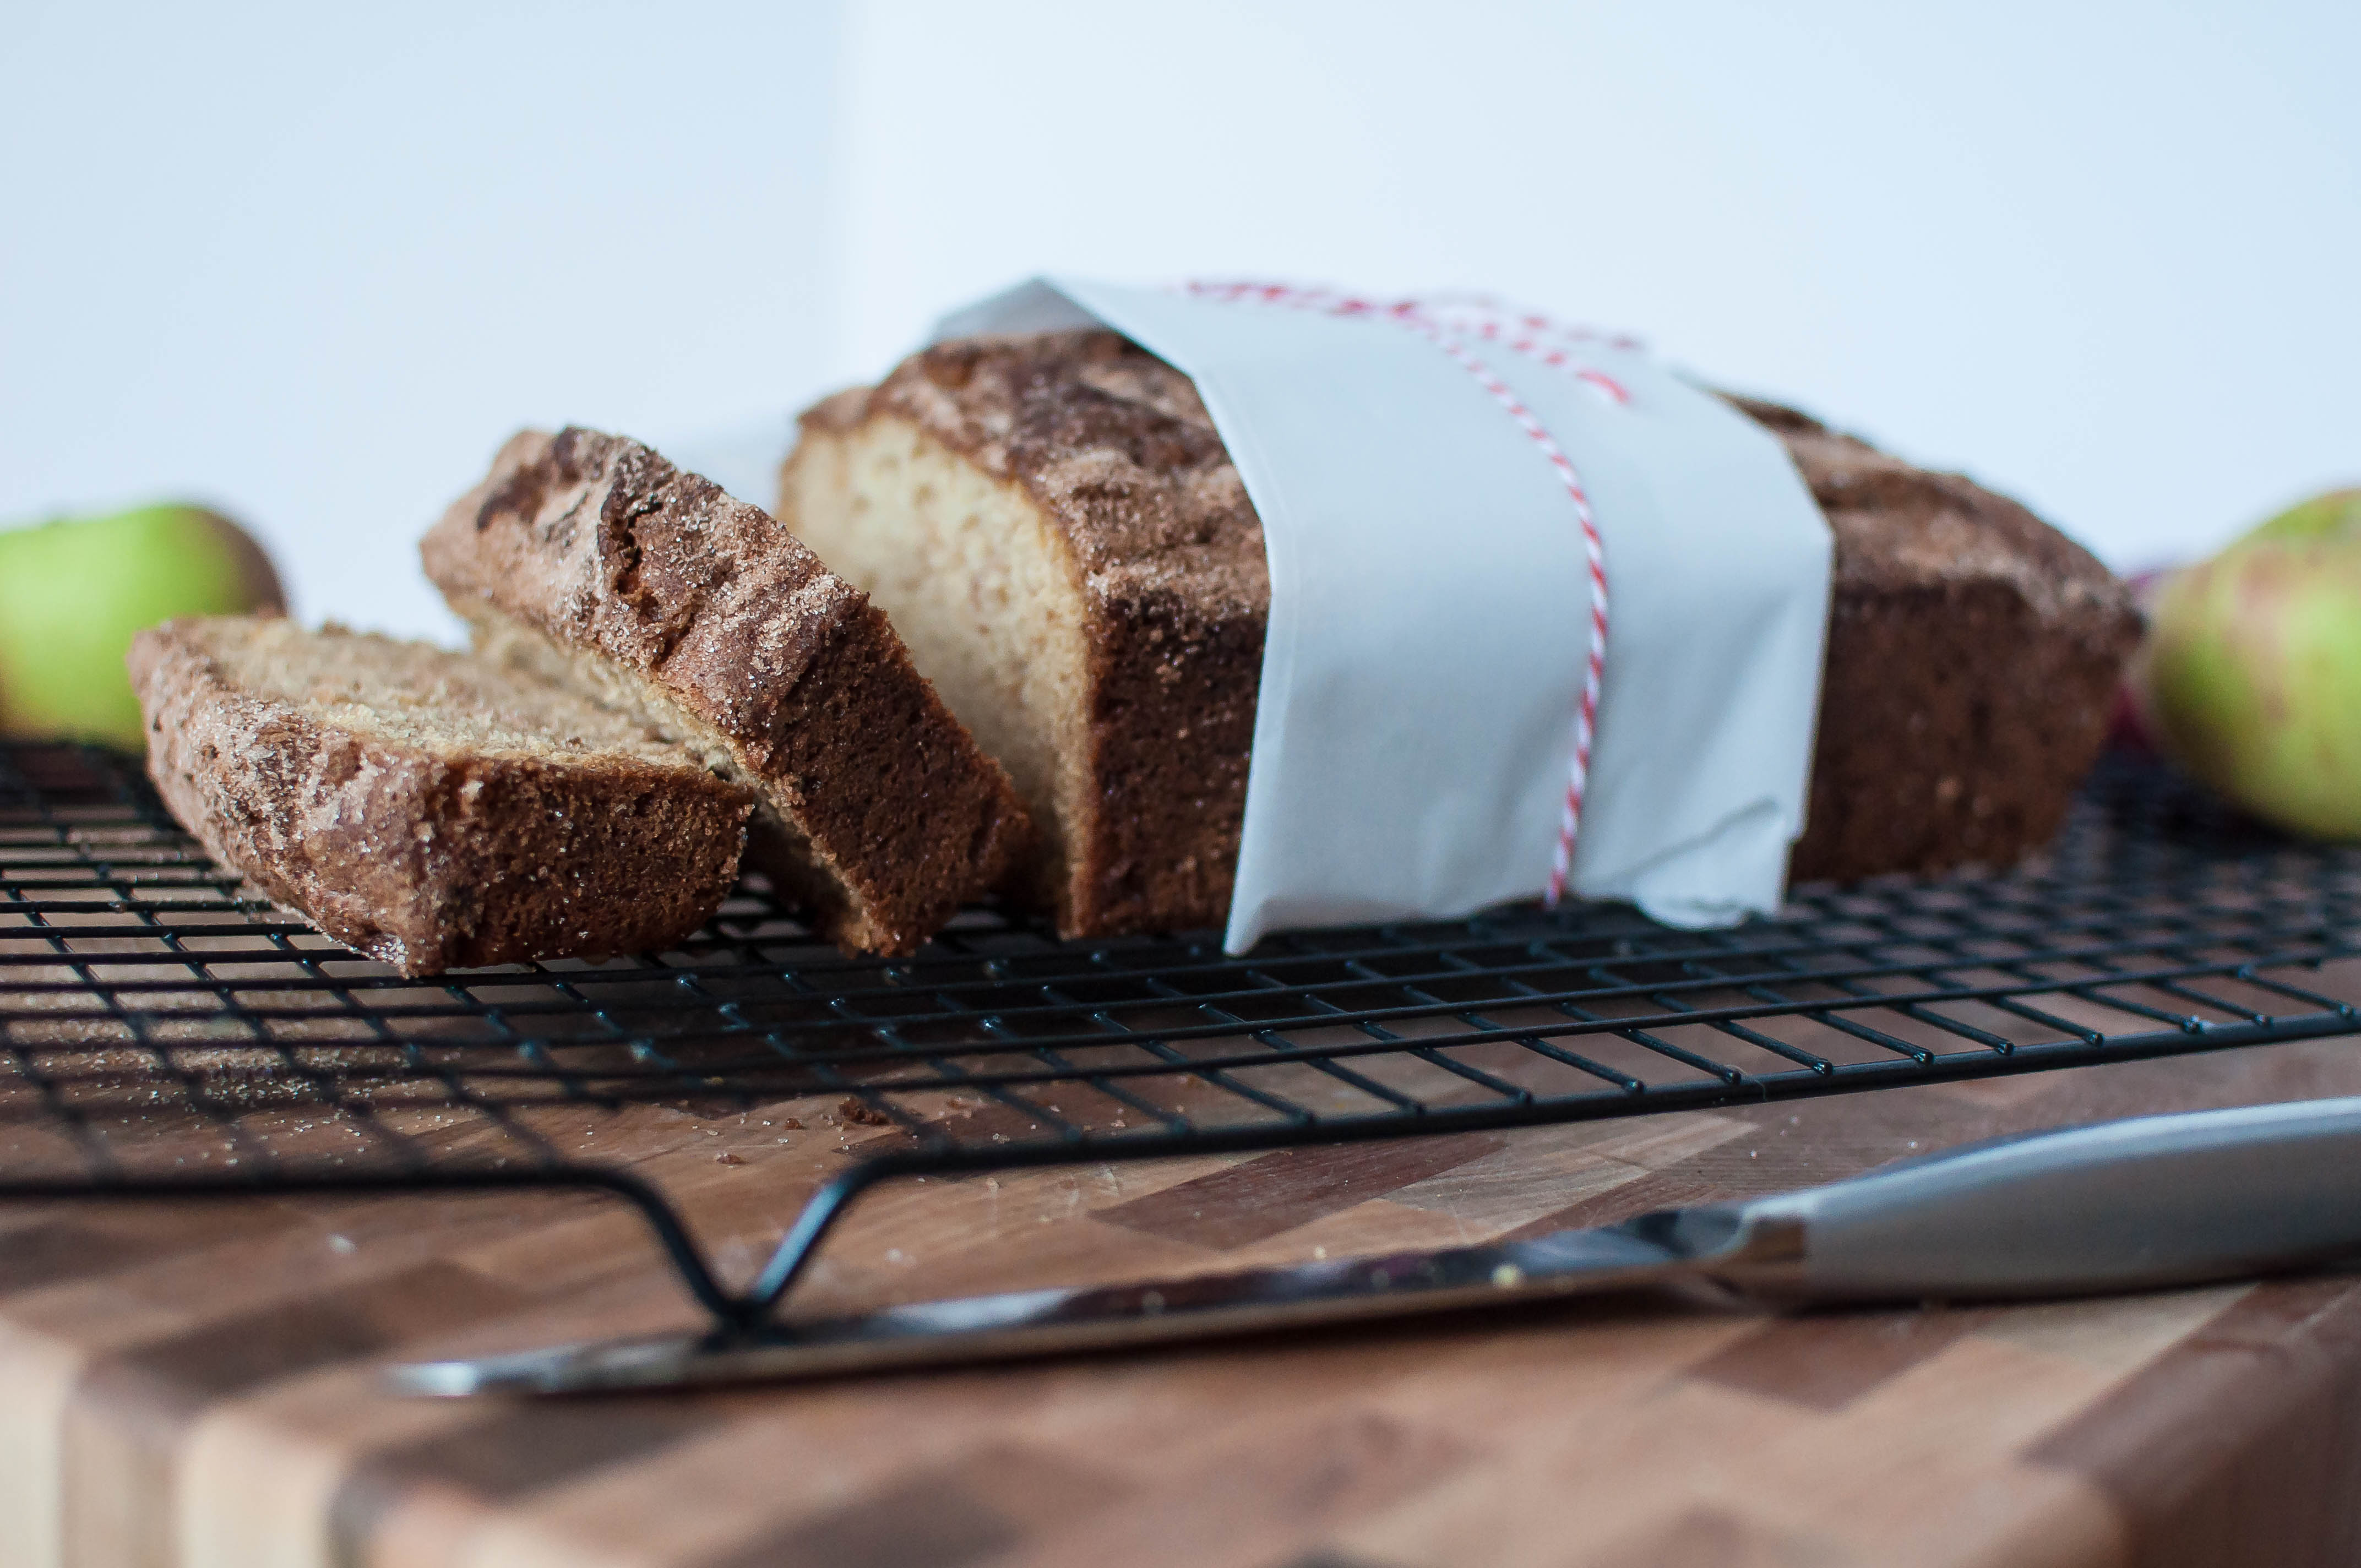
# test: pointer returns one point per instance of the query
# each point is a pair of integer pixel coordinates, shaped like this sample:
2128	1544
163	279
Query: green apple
2250	677
2336	515
73	591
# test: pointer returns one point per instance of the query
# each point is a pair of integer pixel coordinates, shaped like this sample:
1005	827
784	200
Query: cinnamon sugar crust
702	616
424	807
1974	653
1110	441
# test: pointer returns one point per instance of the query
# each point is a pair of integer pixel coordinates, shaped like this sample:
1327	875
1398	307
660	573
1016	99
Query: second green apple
2250	678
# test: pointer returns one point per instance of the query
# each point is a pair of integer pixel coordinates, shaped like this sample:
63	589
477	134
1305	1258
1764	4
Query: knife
2155	1201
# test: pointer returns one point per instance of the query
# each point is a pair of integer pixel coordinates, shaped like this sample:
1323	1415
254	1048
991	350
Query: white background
317	262
315	267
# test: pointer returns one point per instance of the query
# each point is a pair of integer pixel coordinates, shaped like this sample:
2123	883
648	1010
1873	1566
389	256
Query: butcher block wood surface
199	1381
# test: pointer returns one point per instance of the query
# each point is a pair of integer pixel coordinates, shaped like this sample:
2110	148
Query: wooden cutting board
197	1383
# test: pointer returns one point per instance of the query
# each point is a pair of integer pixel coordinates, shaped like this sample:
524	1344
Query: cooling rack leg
820	1214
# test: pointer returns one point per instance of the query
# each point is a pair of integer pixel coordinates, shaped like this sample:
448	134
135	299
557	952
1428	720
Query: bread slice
1057	531
428	808
594	562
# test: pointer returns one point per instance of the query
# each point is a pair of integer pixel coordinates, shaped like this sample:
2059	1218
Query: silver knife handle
2155	1201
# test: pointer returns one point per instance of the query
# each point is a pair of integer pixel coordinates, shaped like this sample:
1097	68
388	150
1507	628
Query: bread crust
1974	653
1972	650
1117	449
876	805
431	859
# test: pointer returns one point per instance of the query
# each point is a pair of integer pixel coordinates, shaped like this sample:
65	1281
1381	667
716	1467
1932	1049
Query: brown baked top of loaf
1898	527
429	809
1116	446
1972	656
1110	441
600	542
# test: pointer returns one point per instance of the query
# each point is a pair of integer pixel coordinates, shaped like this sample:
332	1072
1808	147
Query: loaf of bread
591	561
425	807
1974	653
1054	526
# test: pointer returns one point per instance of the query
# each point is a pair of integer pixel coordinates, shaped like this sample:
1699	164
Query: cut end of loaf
805	876
986	595
412	695
1060	538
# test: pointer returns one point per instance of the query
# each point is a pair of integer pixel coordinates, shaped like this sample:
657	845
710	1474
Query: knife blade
2141	1203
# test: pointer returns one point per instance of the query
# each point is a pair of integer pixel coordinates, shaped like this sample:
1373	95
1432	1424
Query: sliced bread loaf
429	809
591	561
1057	531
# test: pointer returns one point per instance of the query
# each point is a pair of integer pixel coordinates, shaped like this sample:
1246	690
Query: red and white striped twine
1445	324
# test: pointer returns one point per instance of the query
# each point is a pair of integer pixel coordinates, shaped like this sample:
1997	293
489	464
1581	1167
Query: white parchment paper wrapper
1430	614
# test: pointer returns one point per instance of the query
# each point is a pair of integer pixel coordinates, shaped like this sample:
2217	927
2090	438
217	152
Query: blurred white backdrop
315	263
2101	256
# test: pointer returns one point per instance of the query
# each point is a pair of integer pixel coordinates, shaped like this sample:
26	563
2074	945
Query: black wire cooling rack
167	1031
